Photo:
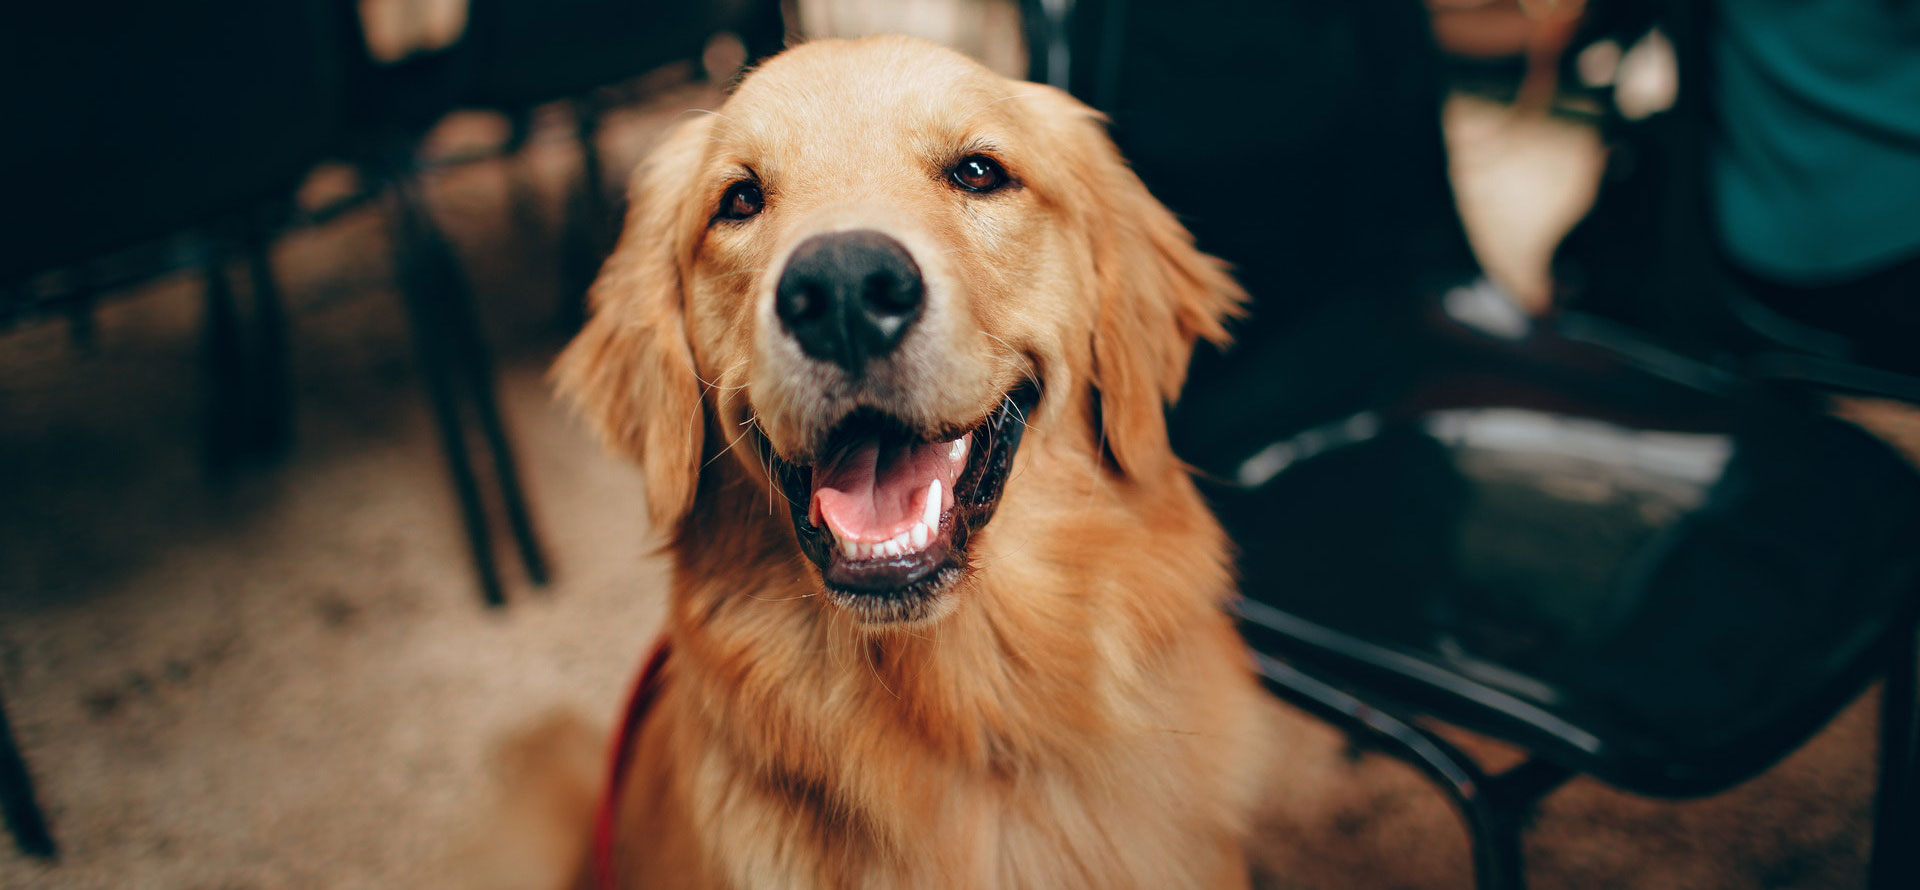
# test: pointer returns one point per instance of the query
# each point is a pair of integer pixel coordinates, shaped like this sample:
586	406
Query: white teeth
930	512
913	540
957	450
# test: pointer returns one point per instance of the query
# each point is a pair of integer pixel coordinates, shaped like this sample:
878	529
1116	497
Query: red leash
645	690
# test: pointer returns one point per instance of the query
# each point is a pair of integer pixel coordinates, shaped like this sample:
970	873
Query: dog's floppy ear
630	370
1157	295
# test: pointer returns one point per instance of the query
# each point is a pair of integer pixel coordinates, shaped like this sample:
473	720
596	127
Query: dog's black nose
849	296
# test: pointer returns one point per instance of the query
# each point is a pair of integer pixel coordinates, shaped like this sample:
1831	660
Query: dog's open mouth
887	512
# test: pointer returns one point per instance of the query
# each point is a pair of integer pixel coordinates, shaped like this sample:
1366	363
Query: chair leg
224	364
1896	824
249	400
523	191
420	263
1498	860
22	810
586	238
1510	798
272	396
471	349
1494	808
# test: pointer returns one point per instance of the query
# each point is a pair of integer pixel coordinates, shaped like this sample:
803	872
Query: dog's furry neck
1063	667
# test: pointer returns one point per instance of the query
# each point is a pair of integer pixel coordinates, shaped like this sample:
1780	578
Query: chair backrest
1300	142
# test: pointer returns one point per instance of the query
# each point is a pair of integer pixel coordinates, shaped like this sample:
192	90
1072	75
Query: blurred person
1775	207
1814	164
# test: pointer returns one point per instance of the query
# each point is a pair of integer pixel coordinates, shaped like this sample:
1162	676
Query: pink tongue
877	489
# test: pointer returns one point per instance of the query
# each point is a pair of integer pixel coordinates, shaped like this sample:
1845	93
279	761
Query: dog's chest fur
1072	739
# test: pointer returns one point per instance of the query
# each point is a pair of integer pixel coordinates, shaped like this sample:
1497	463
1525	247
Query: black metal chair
1626	563
145	158
388	110
1633	565
148	153
513	56
137	152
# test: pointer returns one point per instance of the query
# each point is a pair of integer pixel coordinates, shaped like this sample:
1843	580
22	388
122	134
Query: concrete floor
285	679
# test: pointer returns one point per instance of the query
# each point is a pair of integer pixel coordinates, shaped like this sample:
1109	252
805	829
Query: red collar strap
645	690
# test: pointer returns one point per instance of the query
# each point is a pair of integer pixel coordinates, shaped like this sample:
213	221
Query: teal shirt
1815	161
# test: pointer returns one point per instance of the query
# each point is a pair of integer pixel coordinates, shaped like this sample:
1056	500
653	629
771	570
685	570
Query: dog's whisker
1027	370
866	655
722	452
781	599
721	387
1020	415
909	632
773	485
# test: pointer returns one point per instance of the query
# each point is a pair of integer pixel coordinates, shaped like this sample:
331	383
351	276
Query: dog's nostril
888	292
805	303
849	297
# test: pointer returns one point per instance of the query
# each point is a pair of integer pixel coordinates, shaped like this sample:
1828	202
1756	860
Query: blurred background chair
511	57
138	150
1657	571
148	139
1563	536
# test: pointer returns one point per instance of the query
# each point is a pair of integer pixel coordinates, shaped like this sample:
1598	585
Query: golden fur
1079	712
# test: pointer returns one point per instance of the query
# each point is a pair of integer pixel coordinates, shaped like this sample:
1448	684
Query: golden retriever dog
892	338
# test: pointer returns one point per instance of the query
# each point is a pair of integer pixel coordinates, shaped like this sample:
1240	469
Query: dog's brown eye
742	200
978	173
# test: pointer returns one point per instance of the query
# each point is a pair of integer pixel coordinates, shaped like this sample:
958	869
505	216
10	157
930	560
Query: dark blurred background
291	532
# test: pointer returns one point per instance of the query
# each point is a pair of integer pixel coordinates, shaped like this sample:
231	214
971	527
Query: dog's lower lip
888	573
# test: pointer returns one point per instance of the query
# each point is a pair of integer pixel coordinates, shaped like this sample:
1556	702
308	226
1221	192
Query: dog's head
871	277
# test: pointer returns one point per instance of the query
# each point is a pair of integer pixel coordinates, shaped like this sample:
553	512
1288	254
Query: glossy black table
1631	565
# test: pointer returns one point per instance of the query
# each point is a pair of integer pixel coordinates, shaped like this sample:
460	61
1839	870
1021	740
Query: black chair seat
1666	583
1640	572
